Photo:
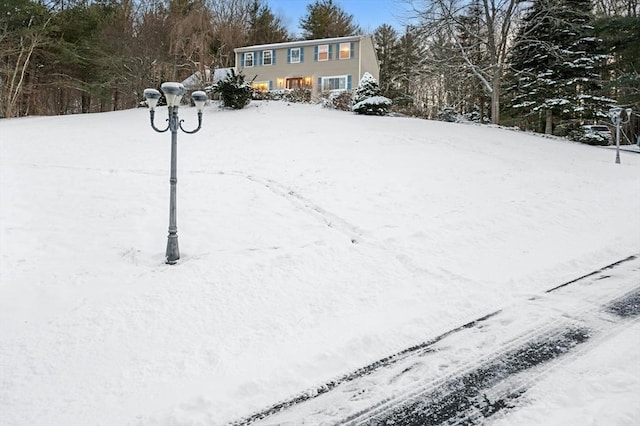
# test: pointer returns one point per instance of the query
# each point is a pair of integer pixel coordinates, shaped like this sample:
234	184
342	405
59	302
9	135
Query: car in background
598	130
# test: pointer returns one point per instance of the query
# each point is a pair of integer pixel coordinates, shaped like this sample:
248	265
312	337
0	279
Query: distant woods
543	65
537	64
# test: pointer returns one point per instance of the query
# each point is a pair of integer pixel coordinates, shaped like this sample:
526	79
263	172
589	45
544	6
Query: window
334	83
323	52
345	50
295	56
248	59
260	86
267	57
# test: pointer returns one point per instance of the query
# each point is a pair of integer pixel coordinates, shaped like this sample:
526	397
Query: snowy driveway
488	370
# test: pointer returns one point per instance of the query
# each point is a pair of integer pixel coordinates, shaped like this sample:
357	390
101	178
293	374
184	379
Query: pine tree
410	56
620	36
326	19
234	91
386	43
263	26
367	99
556	61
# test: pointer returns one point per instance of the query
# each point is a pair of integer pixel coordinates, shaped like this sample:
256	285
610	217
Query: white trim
270	52
301	43
253	59
297	49
345	78
320	50
348	43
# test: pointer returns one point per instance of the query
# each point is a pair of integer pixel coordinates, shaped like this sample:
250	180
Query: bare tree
16	53
611	8
192	37
229	19
496	20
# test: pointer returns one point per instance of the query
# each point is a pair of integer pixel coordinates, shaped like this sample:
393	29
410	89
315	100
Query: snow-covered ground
600	387
313	242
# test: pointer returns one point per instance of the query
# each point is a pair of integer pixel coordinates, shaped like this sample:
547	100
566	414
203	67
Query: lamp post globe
173	93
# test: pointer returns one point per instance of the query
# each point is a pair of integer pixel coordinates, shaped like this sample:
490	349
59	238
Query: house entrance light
615	114
173	93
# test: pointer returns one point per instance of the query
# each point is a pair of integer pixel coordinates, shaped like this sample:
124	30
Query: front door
295	83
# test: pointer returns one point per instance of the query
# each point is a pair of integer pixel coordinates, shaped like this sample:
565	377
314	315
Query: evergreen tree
325	19
385	39
367	99
234	91
556	61
410	56
264	27
620	36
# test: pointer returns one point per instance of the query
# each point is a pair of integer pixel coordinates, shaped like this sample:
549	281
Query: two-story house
320	65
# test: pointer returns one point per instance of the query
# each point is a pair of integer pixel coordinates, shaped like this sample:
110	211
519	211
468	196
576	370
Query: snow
374	100
601	387
313	242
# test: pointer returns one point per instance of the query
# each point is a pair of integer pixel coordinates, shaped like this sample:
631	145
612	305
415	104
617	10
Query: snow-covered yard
313	242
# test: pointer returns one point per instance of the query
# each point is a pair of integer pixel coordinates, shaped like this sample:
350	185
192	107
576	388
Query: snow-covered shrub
299	95
448	114
589	137
376	105
341	100
367	97
260	95
234	91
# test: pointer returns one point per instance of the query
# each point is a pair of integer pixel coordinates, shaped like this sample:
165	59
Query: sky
368	14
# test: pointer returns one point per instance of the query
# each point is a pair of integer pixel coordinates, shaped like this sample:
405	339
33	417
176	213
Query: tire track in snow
495	384
472	371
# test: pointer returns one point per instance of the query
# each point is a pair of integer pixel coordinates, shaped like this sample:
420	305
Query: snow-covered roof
194	81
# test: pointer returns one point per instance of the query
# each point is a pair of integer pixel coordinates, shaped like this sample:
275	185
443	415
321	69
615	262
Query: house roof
195	80
299	43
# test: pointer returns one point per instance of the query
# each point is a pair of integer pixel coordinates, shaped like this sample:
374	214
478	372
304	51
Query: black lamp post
173	92
615	114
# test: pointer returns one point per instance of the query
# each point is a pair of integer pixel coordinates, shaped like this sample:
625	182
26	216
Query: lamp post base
173	252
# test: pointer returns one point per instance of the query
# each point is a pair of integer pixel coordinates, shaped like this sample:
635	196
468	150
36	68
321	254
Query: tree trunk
548	128
495	98
85	102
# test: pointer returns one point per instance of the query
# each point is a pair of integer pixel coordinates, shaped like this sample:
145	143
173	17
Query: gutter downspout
360	59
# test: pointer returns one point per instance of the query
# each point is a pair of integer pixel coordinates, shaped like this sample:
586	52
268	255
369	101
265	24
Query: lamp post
615	114
173	92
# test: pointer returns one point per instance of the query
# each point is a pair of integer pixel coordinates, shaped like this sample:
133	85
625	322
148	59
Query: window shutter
289	55
273	57
270	85
242	60
301	54
259	59
315	50
320	84
349	82
329	48
353	50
